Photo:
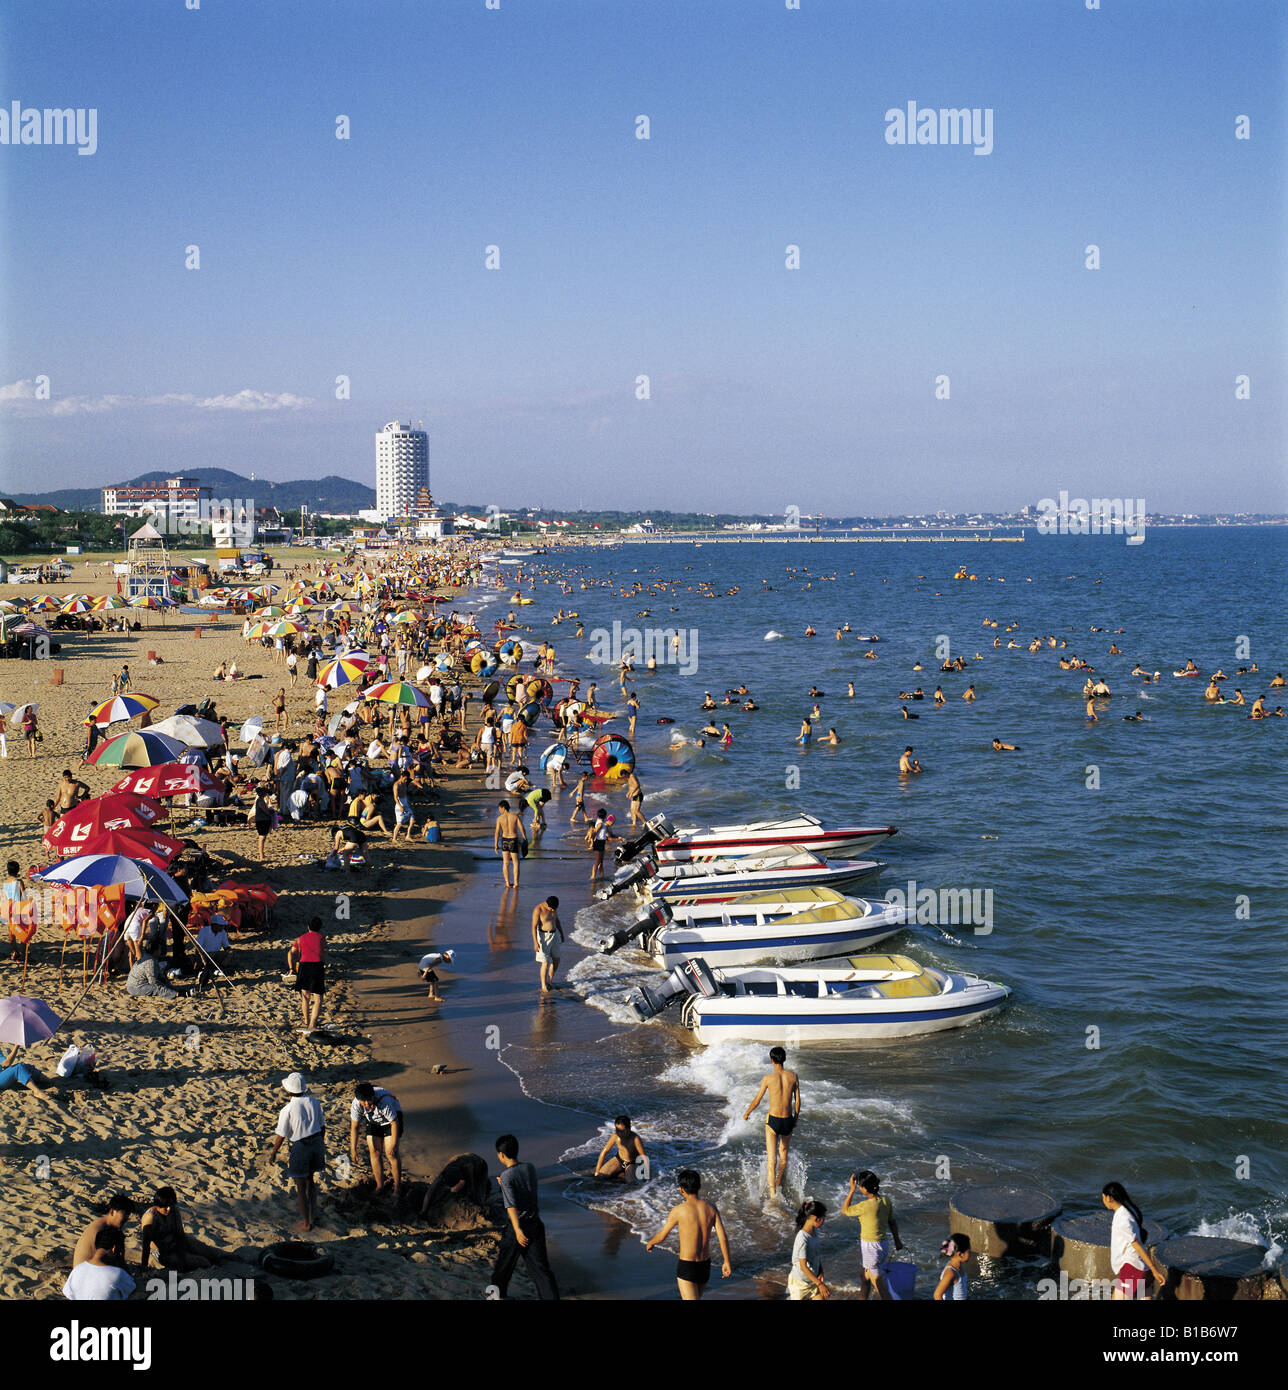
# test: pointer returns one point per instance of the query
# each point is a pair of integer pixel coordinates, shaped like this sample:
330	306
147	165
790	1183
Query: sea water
1137	872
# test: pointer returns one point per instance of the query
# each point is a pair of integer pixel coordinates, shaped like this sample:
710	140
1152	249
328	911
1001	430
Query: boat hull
773	942
832	844
721	888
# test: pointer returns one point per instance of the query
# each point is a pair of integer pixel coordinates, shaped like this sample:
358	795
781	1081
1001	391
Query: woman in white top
953	1286
1127	1251
805	1281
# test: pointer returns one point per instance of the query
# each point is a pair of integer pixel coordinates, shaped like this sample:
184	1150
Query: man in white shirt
319	699
380	1117
300	1121
98	1279
213	940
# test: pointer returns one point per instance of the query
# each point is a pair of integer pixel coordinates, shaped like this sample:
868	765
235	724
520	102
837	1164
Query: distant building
402	468
173	498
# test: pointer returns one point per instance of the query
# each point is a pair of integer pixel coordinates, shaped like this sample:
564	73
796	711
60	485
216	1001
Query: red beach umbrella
169	779
114	811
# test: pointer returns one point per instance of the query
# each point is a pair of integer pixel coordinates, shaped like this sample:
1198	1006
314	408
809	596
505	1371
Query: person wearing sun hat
301	1123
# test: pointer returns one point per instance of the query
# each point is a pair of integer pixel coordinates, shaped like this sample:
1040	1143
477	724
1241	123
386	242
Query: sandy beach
195	1083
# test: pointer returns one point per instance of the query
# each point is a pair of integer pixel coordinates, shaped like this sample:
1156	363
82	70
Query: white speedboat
665	844
791	925
718	880
875	997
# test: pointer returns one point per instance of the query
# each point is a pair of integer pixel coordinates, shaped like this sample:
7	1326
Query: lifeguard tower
149	562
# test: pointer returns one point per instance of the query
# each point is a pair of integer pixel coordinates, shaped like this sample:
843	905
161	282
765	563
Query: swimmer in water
1278	681
1258	708
707	701
908	714
807	730
940	697
849	690
750	705
1092	717
1137	718
710	729
1238	698
809	632
1000	747
968	694
907	763
1213	692
630	1149
832	737
816	713
726	736
815	693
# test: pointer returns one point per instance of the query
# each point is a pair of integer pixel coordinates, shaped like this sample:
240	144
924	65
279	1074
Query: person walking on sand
260	816
547	933
876	1226
696	1219
526	1234
510	840
783	1088
301	1123
307	958
279	709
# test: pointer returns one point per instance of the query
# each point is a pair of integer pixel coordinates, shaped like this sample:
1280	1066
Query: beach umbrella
264	590
169	779
114	811
137	748
5	710
257	630
251	729
24	1020
346	667
17	713
76	603
149	601
123	707
44	603
408	615
272	611
149	846
287	627
138	878
110	603
195	733
398	693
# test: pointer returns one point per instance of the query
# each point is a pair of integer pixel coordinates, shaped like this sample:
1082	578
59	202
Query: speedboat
790	925
666	844
719	880
872	998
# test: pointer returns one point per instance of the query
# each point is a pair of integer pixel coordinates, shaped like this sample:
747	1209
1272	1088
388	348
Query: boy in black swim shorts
696	1219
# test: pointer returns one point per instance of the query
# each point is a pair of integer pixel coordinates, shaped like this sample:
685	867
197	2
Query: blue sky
621	257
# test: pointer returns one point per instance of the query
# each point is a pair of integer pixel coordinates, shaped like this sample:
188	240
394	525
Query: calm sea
1143	1042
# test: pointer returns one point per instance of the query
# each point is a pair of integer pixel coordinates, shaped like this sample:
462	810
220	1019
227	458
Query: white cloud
20	397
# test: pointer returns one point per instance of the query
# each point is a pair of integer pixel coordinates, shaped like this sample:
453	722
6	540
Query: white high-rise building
402	468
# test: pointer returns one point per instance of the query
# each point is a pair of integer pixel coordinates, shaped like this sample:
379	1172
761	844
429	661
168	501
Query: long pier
892	537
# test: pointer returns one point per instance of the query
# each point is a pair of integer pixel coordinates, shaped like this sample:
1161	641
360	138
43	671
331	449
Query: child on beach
953	1284
805	1282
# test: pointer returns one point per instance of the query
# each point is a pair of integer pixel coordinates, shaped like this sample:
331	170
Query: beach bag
75	1060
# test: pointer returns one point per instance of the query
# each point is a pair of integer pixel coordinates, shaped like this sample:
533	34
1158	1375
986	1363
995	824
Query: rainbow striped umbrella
148	601
398	693
258	630
109	603
138	748
346	667
264	590
76	603
408	615
272	611
287	627
122	707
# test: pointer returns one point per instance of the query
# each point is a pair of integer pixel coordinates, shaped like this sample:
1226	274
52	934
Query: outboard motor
658	828
694	977
659	915
628	879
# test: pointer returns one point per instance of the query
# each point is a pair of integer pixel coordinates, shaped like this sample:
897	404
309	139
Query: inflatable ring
444	662
612	757
539	689
479	660
297	1259
530	713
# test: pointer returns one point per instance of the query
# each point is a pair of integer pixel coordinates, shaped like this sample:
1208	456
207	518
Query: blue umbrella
140	879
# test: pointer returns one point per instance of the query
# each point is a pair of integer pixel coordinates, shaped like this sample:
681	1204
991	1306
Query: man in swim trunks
119	1211
630	1148
635	791
508	839
696	1220
547	933
784	1090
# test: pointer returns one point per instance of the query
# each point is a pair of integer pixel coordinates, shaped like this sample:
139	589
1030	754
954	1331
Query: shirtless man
907	763
636	794
696	1219
68	794
547	933
784	1090
508	837
1000	747
630	1148
119	1211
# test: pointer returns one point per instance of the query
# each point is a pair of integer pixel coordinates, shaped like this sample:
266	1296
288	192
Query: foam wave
772	636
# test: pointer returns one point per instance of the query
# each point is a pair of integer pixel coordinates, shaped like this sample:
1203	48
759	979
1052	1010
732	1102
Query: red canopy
156	848
114	811
169	779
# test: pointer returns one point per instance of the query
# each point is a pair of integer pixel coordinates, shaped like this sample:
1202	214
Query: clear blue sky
620	257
